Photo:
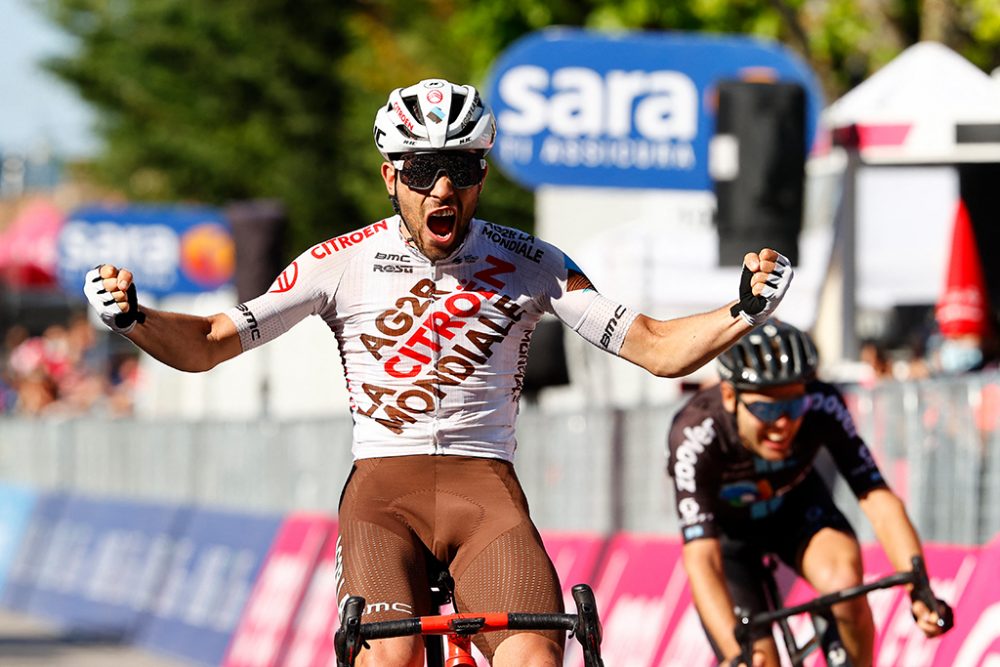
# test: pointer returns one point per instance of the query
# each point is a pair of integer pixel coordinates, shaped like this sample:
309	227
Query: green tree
217	101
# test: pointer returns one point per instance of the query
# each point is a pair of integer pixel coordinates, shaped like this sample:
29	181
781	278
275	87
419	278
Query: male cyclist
432	310
741	454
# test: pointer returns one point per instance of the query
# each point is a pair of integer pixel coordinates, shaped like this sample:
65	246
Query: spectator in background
874	355
63	371
13	337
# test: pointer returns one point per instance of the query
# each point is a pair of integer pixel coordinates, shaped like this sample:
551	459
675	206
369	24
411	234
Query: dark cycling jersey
722	487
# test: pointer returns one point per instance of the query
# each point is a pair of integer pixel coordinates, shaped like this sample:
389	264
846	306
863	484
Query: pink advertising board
643	598
311	640
975	640
267	620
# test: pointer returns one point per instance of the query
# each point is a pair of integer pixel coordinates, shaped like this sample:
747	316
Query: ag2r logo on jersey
582	108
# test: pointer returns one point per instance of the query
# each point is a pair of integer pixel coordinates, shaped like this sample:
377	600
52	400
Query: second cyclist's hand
930	620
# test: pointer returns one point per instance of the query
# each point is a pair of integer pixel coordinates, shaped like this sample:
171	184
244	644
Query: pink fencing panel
643	598
975	640
311	640
267	620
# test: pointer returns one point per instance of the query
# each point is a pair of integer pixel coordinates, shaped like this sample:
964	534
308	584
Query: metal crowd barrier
937	442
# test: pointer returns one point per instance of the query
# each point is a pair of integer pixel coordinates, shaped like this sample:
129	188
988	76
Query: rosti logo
621	119
208	255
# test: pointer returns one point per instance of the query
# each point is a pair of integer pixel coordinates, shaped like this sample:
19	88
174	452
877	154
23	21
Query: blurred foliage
232	99
217	101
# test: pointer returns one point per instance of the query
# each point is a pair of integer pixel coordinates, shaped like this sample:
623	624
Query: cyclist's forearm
678	347
187	342
711	596
893	528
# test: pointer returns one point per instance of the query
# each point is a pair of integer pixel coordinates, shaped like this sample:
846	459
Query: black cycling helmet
773	354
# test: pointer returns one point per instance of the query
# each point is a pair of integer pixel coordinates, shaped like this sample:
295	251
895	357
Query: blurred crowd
935	355
66	370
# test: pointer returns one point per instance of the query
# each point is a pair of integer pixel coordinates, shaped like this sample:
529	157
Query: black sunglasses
771	411
420	171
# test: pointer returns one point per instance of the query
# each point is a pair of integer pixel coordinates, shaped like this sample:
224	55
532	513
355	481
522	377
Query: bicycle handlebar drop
917	577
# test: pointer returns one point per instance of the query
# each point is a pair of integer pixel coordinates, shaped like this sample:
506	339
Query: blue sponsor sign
105	564
37	538
628	111
170	249
213	569
16	504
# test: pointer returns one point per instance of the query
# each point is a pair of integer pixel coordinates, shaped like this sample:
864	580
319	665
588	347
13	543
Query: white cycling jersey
434	353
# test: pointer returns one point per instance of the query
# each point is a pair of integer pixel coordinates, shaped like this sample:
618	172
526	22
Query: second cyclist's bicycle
826	637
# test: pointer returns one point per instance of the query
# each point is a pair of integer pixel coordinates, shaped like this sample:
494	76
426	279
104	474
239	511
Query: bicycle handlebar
917	576
584	625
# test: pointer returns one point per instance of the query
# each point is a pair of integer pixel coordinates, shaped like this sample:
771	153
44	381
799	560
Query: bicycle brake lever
348	641
588	629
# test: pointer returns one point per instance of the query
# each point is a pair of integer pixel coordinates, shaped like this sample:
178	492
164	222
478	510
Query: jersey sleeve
853	458
574	300
302	289
696	478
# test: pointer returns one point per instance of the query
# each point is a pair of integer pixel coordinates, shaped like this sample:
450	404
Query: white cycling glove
107	307
755	310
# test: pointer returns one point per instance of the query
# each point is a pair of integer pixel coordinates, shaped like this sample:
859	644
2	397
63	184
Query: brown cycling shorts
470	513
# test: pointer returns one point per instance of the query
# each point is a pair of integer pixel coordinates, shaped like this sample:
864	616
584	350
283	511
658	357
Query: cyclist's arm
187	342
892	527
678	347
703	563
674	348
895	532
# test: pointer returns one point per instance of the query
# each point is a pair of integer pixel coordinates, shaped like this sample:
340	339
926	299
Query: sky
35	107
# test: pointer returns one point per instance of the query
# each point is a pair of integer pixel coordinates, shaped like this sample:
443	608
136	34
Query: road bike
448	637
825	636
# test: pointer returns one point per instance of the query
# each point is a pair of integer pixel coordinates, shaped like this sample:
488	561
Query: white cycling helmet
433	115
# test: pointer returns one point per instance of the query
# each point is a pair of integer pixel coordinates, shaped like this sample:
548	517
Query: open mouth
441	224
775	444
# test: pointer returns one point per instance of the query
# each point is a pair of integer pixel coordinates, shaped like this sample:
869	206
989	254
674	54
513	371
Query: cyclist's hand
932	622
112	294
763	283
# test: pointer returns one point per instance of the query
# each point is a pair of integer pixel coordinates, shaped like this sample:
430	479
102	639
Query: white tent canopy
929	105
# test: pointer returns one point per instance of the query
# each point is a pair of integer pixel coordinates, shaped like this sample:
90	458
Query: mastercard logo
208	255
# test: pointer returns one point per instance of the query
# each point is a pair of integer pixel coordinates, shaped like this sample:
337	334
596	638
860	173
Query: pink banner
311	640
975	640
266	623
642	595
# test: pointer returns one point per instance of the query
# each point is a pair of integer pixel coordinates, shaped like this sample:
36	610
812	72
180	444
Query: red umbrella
28	250
963	308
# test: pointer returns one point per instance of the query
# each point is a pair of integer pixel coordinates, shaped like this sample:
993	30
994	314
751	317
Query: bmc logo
658	106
